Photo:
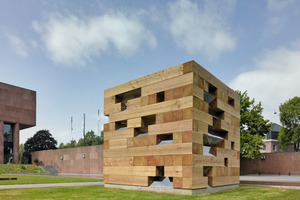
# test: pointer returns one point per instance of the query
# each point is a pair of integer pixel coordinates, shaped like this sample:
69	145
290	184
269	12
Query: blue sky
71	51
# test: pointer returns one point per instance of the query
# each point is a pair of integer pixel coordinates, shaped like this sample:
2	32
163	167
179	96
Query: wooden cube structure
181	123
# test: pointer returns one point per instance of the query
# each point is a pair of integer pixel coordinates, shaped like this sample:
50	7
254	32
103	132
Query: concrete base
169	190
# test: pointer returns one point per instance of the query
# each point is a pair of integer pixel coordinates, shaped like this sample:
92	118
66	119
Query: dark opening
230	101
226	162
160	97
232	145
146	121
216	114
124	97
160	171
219	133
212	89
165	139
8	143
121	125
206	170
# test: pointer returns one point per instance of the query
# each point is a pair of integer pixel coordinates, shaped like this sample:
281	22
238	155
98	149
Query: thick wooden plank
140	161
198	92
168	149
134	123
118	144
202	116
113	108
184	125
223	180
146	80
201	160
142	141
121	161
162	107
133	103
220	152
130	170
224	171
173	171
128	180
168	84
119	134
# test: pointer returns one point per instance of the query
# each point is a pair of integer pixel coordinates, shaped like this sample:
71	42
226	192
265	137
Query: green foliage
21	179
90	139
23	159
20	169
253	127
42	140
290	120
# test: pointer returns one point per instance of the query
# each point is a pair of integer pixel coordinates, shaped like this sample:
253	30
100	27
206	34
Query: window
160	97
121	125
230	101
226	162
264	147
274	147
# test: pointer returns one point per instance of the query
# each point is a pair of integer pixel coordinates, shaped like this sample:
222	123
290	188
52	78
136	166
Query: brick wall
71	160
283	162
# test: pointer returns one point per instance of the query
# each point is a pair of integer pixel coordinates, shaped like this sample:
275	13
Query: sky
69	52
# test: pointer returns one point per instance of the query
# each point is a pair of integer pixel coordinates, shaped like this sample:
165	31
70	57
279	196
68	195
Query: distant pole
72	131
99	130
83	127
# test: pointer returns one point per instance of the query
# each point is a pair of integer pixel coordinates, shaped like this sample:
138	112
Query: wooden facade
181	123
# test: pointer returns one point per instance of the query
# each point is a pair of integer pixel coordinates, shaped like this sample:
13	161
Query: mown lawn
43	179
99	192
20	169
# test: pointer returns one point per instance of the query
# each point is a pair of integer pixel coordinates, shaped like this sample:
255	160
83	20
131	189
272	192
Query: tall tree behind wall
253	127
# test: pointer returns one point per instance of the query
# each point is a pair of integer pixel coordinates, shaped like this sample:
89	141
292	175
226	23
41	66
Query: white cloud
202	29
274	80
74	41
17	45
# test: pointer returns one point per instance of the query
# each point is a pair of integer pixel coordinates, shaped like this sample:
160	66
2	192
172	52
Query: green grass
99	192
20	169
43	179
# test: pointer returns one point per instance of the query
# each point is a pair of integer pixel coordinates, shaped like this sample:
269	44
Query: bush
36	160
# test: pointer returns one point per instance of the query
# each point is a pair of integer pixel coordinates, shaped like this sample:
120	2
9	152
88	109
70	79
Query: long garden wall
273	163
79	160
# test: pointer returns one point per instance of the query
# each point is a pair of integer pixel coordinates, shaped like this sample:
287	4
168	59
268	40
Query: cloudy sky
71	51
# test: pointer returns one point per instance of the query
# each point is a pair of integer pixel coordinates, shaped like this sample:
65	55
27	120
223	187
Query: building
17	112
271	141
179	127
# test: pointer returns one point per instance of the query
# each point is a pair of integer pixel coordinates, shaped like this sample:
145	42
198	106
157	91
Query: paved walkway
282	181
49	185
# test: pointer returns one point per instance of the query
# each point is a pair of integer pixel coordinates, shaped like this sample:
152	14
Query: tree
67	145
42	140
90	139
253	127
23	159
289	134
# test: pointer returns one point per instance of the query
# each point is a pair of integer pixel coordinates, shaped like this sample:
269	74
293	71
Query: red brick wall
283	162
73	161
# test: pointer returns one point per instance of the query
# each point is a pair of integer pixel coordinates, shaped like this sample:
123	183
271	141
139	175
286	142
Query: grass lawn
20	169
99	192
43	179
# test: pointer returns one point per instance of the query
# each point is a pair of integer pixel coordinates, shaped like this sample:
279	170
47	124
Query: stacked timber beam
159	125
